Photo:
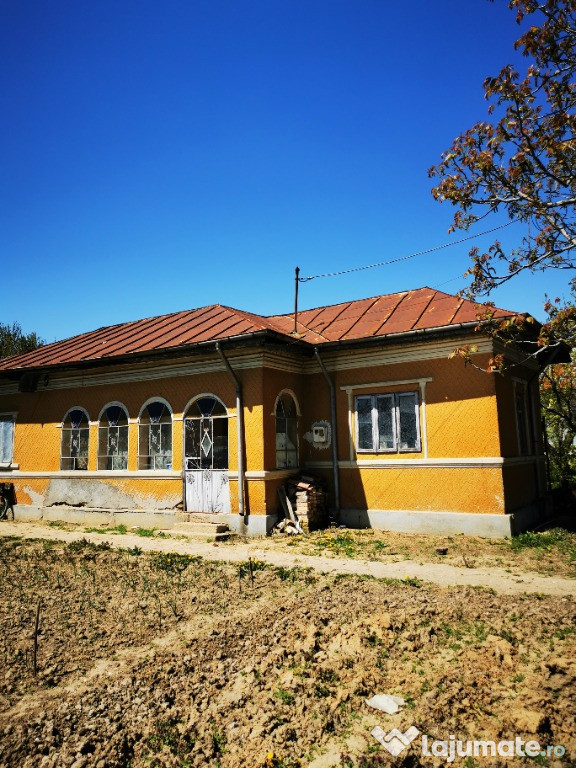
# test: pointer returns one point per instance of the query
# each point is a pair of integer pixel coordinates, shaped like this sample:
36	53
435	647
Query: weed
172	562
328	676
166	733
84	544
249	567
284	696
277	761
556	539
118	529
564	632
218	742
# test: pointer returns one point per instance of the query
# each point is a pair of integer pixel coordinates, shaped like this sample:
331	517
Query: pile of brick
307	496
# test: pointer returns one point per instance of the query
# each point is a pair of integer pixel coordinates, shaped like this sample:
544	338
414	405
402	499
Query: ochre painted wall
461	412
464	421
439	489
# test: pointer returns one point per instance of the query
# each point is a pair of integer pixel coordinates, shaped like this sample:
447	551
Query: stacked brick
308	498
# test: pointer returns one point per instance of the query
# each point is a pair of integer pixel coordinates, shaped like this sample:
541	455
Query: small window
286	432
75	437
155	433
113	438
6	438
388	423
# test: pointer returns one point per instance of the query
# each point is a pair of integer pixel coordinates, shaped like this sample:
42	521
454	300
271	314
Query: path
443	575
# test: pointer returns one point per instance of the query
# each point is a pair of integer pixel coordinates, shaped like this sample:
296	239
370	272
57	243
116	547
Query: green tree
558	397
523	162
14	342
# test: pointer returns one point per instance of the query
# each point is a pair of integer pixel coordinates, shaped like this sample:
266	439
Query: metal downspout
334	433
239	430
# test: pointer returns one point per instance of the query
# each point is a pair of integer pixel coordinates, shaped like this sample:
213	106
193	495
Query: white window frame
394	397
7	456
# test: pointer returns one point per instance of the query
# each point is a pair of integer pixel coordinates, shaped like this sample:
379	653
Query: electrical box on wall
320	434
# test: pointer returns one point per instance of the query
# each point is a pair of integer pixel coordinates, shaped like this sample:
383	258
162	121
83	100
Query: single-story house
212	409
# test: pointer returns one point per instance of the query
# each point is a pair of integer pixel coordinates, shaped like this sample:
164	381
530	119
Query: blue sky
159	157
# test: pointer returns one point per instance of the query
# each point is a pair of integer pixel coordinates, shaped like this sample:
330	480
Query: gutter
334	433
239	431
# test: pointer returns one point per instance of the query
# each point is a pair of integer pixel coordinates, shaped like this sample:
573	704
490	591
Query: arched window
206	434
75	436
155	437
286	432
113	438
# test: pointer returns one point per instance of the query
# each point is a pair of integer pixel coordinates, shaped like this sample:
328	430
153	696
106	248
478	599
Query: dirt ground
168	658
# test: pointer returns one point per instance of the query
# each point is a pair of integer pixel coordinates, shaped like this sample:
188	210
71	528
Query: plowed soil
117	658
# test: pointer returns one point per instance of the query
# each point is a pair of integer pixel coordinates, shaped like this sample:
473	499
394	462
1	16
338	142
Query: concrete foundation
402	521
251	526
96	517
411	521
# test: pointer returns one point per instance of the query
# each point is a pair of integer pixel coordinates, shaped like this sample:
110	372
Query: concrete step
201	527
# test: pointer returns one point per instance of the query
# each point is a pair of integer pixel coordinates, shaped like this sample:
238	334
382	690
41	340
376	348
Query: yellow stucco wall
461	412
439	489
464	421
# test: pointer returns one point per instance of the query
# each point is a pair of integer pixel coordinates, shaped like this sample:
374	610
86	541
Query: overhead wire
405	258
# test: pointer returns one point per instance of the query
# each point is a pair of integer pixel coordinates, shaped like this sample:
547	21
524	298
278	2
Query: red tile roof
424	308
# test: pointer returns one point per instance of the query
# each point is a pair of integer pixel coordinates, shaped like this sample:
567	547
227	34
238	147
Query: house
213	409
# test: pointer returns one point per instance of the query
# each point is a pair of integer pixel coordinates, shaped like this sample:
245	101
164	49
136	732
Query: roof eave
393	338
256	339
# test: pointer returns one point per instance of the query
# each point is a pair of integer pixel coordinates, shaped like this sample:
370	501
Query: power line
405	258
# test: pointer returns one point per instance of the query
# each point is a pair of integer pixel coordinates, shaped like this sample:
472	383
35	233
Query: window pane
192	443
286	433
84	433
220	447
364	423
75	438
408	422
6	438
386	437
291	435
206	405
123	441
521	421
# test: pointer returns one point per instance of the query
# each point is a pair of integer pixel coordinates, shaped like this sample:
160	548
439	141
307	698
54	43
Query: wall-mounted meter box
320	434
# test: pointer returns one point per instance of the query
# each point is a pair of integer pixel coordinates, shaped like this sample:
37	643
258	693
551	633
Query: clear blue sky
162	156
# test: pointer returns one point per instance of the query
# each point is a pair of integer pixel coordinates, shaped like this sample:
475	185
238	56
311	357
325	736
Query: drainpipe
239	430
334	433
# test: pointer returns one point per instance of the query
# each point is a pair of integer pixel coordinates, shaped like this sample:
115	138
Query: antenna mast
296	281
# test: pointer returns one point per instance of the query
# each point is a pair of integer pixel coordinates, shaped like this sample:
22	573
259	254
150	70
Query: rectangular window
388	423
6	438
521	420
